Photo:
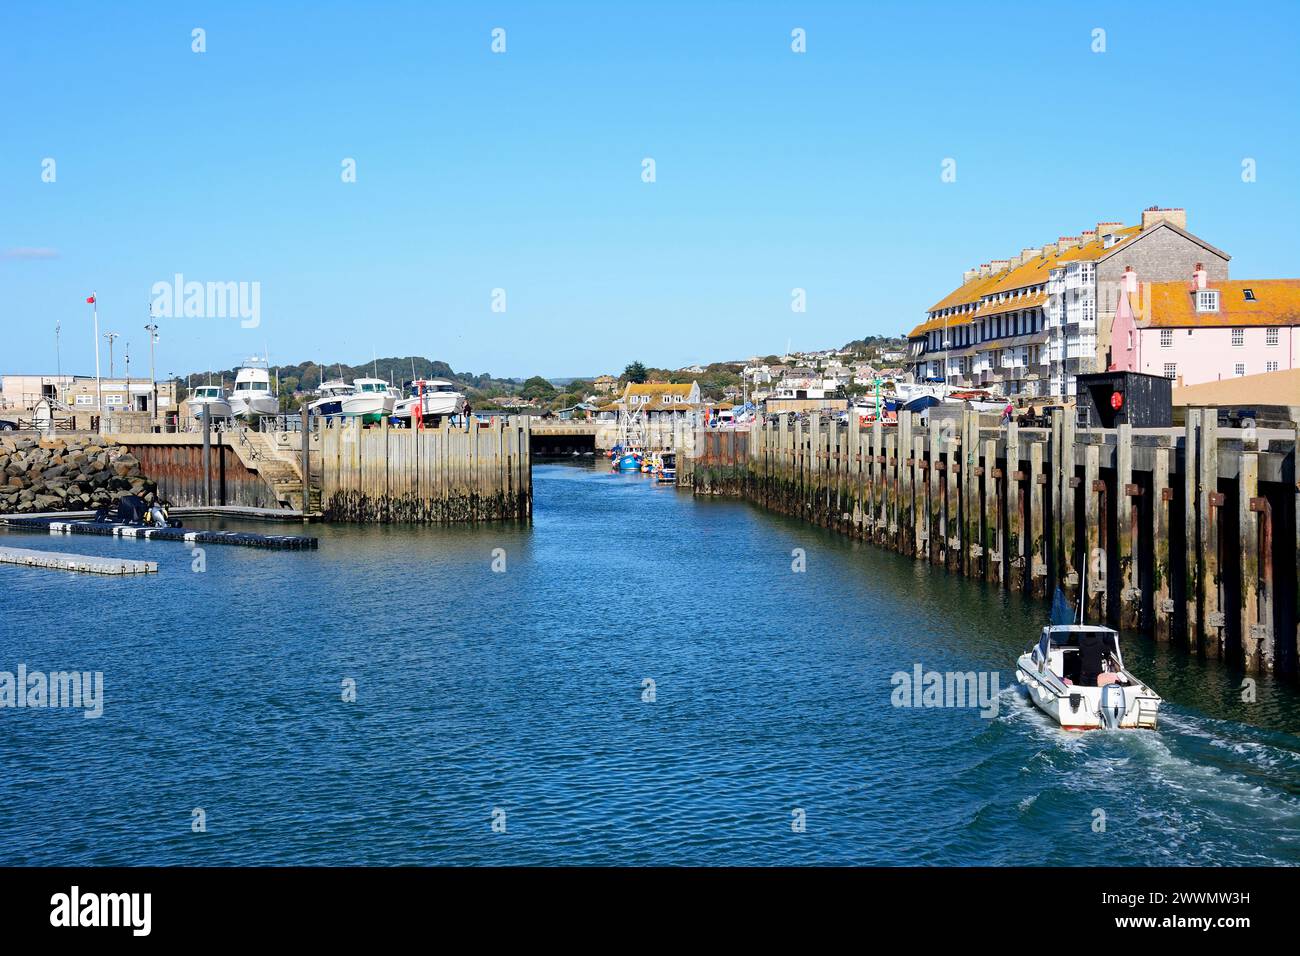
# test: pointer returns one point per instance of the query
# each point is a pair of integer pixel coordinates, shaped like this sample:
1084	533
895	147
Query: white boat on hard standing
252	394
214	398
1076	675
436	396
332	395
371	400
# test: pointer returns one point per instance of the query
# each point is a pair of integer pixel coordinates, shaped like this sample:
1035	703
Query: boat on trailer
1076	675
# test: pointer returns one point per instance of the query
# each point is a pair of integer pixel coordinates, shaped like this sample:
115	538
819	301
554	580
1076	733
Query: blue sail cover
1062	613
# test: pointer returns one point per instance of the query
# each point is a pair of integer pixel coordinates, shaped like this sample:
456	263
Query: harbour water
518	695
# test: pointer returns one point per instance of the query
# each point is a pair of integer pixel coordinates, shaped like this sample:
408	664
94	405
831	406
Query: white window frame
1166	338
1271	336
1171	370
1207	300
1270	366
1238	338
1239	369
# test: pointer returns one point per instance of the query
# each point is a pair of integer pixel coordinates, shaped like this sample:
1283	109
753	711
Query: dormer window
1207	300
1249	294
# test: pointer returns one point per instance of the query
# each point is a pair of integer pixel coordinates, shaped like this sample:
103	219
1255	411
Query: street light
153	381
111	336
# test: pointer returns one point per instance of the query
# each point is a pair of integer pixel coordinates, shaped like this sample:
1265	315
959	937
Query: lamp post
153	380
112	337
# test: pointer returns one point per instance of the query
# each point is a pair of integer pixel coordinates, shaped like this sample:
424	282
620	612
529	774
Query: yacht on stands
252	394
431	398
371	400
331	396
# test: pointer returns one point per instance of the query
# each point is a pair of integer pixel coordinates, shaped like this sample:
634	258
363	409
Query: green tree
537	388
635	373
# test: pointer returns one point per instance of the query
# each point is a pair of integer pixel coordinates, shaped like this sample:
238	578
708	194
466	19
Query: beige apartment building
1030	324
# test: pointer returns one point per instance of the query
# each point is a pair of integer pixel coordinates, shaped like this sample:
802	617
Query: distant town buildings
1030	324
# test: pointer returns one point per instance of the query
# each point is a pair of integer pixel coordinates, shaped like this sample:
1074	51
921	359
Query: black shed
1119	398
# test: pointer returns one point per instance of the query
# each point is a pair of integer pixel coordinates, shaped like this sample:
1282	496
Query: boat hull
215	410
370	407
1080	708
254	405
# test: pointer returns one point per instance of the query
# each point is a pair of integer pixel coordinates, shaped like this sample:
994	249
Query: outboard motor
1113	706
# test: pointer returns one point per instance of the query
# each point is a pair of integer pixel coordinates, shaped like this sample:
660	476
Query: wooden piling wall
1183	534
432	475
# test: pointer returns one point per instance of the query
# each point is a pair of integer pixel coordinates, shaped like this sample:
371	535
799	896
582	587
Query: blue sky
522	171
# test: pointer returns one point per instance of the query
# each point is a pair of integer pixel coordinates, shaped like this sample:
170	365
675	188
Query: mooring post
921	483
1191	532
306	460
1037	551
1252	512
934	495
970	504
1013	482
1161	502
1127	511
1094	520
1069	525
1056	470
952	504
207	456
878	481
1211	503
992	524
815	474
906	511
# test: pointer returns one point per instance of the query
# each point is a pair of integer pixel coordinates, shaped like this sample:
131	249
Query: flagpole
99	385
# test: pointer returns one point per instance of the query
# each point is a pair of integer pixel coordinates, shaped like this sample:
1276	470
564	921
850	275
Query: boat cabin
1080	653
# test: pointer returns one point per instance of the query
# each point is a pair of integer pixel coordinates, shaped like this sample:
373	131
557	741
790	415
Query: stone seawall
67	473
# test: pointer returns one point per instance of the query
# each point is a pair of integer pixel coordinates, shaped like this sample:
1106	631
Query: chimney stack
1154	214
997	265
985	271
970	274
1049	249
1087	236
1130	280
1199	276
1066	242
1027	254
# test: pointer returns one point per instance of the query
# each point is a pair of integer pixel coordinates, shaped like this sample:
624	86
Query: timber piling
1184	533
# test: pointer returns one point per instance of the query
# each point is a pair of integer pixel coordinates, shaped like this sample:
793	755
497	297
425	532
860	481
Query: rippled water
522	692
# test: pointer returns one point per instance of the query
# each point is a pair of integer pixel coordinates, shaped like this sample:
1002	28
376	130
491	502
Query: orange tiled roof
968	292
1173	304
1013	304
1095	248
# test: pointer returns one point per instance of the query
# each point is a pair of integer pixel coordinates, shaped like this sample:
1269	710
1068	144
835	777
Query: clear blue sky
523	171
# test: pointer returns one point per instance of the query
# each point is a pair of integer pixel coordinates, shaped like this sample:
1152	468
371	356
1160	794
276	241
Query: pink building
1204	331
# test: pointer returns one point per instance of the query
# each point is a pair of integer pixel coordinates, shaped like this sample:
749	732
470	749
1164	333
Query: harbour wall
175	463
1189	533
433	475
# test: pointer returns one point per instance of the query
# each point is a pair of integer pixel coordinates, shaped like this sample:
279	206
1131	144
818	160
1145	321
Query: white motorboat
212	396
372	399
332	395
1076	675
252	394
436	396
